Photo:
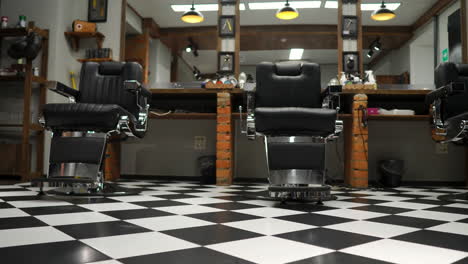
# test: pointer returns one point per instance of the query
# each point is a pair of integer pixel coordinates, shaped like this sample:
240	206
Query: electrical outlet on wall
199	143
441	148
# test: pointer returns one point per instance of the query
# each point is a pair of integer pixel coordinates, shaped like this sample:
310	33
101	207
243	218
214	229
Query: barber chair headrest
27	47
462	69
288	69
111	68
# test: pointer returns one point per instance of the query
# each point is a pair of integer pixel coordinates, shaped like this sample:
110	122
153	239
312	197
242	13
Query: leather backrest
447	73
104	84
288	85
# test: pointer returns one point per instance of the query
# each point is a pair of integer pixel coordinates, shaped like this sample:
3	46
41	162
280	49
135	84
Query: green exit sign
445	55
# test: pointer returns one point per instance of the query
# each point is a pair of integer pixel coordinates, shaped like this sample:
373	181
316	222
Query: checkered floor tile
185	222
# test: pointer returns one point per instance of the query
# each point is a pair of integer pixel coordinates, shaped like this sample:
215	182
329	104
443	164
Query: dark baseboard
161	177
372	183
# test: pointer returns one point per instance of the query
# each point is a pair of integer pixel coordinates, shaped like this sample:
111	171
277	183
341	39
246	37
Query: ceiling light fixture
278	5
192	16
201	7
287	12
365	6
370	54
192	47
383	13
296	54
376	45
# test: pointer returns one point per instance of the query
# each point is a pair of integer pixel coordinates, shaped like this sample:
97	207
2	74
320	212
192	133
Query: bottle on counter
4	22
22	21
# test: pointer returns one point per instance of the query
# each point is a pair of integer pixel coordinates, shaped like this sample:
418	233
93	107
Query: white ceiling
206	61
161	12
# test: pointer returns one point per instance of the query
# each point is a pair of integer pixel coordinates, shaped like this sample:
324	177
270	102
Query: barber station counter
223	105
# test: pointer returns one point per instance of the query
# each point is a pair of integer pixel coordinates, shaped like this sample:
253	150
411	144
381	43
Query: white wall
163	62
395	63
415	57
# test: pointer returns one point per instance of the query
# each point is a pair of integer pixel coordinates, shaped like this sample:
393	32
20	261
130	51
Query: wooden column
343	44
42	101
237	40
359	172
224	143
25	147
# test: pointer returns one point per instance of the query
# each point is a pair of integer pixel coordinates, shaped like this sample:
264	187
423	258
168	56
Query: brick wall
359	145
224	146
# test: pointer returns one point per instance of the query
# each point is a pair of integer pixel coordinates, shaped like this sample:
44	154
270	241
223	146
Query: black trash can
391	172
207	166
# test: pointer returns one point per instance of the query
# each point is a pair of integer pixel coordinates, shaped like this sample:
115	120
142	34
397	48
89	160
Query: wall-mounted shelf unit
75	38
27	126
95	60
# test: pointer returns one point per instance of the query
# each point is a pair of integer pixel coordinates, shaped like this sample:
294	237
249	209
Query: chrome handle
243	128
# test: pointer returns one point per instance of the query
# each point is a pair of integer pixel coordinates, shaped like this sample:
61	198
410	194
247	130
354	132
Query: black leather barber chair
286	109
449	103
111	101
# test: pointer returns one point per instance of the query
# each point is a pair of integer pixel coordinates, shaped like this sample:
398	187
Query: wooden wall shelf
24	167
35	79
181	91
75	38
185	116
95	60
400	117
386	92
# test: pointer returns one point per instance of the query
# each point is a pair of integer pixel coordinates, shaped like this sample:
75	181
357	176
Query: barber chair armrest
331	97
445	91
135	86
64	90
249	101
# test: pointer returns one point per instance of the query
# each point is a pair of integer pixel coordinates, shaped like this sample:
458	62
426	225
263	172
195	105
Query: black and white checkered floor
190	223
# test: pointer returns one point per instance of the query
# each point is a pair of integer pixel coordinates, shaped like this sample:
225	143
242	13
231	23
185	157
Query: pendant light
192	16
287	12
383	13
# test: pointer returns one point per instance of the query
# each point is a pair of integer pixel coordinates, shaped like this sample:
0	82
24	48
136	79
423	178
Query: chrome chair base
310	193
88	190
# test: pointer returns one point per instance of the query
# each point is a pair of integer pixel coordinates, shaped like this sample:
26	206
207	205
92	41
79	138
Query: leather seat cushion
295	121
82	117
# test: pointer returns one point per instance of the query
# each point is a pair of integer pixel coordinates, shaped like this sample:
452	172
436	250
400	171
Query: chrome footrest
308	193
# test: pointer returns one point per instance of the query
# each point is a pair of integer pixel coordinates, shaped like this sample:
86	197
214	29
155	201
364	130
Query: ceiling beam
436	9
152	27
283	37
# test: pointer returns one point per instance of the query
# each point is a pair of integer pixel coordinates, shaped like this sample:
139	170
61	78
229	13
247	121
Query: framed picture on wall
97	10
227	26
226	62
350	27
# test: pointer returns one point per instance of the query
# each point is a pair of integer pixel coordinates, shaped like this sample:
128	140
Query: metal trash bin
391	172
207	166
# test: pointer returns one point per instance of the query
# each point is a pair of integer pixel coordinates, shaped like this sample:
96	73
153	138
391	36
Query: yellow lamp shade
383	14
287	13
192	16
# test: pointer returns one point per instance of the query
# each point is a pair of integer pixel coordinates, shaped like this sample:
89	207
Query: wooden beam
152	27
135	11
436	9
123	26
237	43
284	37
360	39
340	43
